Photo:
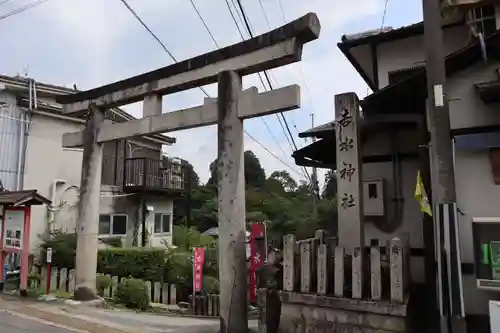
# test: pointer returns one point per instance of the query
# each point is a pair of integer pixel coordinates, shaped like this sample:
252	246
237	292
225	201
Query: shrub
63	249
140	263
210	285
133	294
103	282
179	268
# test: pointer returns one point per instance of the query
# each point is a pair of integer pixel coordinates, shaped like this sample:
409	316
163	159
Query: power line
4	1
308	92
238	12
204	23
383	15
247	24
234	19
149	30
276	157
175	60
154	36
265	15
282	10
265	73
21	9
260	76
217	44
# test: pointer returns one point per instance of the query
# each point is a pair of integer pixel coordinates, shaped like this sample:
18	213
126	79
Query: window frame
111	224
162	232
477	18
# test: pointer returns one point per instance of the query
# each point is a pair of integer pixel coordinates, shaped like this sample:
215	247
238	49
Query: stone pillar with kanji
349	187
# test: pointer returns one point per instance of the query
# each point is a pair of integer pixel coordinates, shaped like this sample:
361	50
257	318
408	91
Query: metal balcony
143	174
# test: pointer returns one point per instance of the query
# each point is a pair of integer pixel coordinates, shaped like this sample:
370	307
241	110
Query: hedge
140	263
153	264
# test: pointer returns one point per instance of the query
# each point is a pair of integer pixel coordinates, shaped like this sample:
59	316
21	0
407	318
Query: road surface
25	316
20	324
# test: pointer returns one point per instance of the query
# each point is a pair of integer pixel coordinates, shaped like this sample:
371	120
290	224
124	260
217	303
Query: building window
483	20
113	224
162	223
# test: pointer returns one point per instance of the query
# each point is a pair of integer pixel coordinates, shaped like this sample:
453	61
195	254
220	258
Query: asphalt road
15	324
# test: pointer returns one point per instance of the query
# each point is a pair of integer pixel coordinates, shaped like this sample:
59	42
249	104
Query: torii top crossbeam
273	49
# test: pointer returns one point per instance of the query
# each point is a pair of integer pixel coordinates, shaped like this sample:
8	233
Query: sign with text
258	255
198	260
13	230
350	199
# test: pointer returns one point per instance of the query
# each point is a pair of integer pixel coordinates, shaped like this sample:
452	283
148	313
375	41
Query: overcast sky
95	42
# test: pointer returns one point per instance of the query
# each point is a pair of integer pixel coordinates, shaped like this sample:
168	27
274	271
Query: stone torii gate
226	66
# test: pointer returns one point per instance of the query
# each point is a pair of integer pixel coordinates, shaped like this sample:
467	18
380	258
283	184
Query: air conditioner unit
373	197
486	238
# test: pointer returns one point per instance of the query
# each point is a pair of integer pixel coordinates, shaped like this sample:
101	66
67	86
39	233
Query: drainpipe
20	154
51	208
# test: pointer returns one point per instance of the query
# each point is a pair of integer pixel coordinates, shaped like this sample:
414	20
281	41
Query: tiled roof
19	198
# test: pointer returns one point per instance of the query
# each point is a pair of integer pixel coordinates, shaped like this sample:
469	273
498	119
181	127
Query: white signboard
495	316
13	229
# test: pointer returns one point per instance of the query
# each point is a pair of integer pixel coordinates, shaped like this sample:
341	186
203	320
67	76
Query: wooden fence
319	266
63	280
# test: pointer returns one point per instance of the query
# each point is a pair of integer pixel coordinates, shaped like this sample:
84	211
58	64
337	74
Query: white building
135	175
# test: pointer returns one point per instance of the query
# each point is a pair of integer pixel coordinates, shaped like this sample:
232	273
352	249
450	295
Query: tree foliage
287	206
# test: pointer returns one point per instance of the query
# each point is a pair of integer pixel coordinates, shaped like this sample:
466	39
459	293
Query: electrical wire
4	1
204	23
308	92
154	36
271	153
238	12
247	24
282	10
263	120
265	15
383	15
234	19
21	9
260	77
175	60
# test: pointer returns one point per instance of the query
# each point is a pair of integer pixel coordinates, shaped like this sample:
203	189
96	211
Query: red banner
198	260
258	253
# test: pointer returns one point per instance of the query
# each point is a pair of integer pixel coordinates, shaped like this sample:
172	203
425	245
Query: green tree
330	187
288	184
192	182
285	204
254	173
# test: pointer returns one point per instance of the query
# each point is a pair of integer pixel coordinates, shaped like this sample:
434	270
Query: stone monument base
311	313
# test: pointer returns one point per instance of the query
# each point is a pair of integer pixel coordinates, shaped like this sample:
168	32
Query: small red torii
15	232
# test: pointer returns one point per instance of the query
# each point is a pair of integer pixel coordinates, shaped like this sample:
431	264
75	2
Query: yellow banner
421	196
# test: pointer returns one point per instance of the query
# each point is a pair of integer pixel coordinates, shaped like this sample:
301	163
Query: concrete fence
204	305
319	266
63	280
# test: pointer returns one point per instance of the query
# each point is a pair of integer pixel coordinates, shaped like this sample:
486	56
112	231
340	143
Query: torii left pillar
88	212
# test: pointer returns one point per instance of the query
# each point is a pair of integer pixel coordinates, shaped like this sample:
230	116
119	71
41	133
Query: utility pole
314	175
450	295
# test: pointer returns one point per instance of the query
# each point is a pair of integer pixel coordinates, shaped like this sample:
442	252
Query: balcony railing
145	174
